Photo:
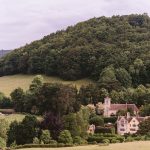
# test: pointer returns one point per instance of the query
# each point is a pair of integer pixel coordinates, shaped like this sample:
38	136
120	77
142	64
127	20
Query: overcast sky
23	21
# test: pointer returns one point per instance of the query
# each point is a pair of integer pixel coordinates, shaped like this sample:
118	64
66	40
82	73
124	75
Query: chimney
128	115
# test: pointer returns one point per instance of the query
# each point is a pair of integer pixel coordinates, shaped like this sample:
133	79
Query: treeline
116	46
61	99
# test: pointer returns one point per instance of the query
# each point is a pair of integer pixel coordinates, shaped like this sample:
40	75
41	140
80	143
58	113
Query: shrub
110	120
45	136
77	140
114	140
36	141
65	137
2	143
105	130
106	141
129	139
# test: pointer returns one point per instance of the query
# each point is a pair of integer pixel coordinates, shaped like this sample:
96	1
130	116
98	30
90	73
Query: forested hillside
114	51
4	52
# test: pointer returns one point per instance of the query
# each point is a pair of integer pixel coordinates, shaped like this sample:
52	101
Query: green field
9	83
141	145
15	117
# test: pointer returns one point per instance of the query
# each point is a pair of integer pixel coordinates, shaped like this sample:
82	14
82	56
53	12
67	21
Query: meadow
9	83
141	145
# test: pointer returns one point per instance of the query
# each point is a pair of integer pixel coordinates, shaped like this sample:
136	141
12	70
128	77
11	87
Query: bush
36	141
114	140
77	140
45	137
106	141
65	137
129	139
105	130
110	120
2	143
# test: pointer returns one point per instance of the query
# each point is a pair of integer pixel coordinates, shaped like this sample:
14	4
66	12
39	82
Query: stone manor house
125	124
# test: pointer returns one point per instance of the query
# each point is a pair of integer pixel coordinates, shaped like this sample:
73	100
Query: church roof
123	107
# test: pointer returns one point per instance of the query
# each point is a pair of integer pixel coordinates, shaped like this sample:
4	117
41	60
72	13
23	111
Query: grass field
15	117
9	83
120	146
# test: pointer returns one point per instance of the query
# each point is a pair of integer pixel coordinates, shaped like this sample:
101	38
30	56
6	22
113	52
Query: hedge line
43	145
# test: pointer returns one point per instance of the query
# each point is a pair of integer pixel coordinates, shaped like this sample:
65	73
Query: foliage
112	50
45	137
97	121
65	137
3	128
145	110
27	128
144	127
2	143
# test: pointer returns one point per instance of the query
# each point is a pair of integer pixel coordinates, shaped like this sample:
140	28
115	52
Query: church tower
107	103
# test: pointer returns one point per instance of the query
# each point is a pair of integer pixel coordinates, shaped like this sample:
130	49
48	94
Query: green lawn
9	83
120	146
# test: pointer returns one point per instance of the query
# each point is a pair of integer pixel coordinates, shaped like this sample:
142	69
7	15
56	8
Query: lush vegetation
65	121
113	51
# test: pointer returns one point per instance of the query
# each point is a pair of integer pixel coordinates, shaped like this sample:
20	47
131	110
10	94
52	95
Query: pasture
9	83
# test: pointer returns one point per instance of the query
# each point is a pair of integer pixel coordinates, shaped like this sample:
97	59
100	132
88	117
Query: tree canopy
87	50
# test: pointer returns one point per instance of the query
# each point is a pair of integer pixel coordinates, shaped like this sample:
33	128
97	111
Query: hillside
23	81
4	52
114	51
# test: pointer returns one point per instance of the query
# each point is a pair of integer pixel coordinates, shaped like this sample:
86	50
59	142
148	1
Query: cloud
22	21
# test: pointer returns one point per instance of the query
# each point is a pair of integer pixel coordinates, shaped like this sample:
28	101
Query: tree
108	79
97	121
65	137
53	123
123	77
36	83
17	97
45	136
144	127
27	128
3	128
58	99
145	110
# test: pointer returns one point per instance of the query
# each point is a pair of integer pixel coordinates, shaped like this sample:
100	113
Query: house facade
128	124
112	109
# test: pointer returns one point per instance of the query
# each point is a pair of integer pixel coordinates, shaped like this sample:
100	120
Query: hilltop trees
117	47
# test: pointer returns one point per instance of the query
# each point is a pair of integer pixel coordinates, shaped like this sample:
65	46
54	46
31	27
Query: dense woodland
115	51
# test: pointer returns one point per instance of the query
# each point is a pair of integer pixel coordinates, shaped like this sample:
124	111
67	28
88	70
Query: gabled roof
123	107
139	119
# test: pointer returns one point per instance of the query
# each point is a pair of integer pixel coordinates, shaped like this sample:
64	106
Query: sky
23	21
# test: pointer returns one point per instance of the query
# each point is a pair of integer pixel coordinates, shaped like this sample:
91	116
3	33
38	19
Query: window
134	125
122	129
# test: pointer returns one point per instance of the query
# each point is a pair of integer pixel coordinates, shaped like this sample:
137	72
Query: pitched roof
123	107
140	119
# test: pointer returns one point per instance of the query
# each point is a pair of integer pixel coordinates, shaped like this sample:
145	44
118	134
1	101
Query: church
112	109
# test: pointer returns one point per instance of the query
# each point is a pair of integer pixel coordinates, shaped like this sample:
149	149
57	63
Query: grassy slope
142	145
9	83
17	117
